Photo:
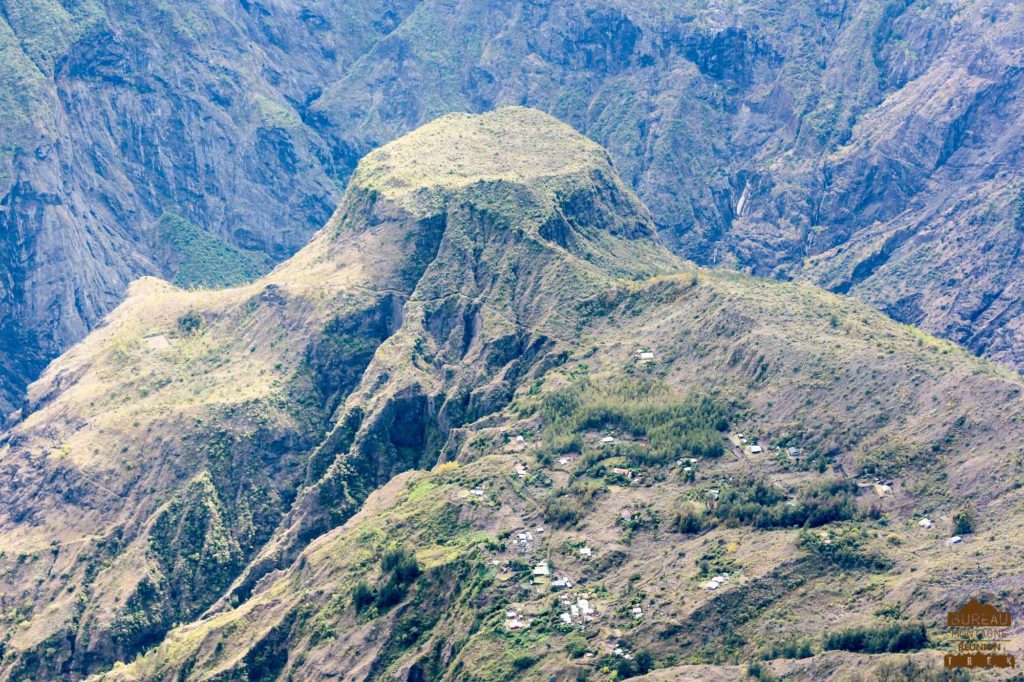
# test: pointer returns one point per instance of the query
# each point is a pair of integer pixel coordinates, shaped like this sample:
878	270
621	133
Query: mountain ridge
238	458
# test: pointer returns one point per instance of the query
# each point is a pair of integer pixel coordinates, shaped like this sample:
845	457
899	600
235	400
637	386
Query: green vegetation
664	427
402	569
190	323
963	522
893	639
757	502
843	547
199	259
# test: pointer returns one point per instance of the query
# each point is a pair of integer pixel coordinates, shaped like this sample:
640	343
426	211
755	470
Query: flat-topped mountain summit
515	144
361	463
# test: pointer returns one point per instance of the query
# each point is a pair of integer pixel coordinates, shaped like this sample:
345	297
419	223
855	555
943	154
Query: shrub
576	647
689	522
402	564
963	522
190	323
390	594
362	596
523	662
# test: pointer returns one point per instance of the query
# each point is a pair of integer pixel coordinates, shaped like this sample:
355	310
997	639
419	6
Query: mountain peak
514	144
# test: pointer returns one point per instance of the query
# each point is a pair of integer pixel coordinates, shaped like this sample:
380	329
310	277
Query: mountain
342	468
868	146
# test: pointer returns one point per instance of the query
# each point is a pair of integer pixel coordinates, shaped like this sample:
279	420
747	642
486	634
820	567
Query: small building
645	356
566	618
925	523
756	449
637	612
561	584
955	540
541	569
607	439
622	472
478	492
586	552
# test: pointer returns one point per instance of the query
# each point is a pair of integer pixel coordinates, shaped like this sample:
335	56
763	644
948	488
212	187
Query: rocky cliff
329	471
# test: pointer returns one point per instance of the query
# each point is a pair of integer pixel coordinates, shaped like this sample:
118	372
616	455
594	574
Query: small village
554	573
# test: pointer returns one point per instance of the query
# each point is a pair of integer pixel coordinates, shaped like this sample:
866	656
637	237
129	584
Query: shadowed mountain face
871	146
485	361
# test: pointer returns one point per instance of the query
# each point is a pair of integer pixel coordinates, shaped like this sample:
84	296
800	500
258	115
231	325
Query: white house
925	523
541	569
756	450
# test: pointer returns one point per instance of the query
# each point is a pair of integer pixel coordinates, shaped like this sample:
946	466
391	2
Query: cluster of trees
844	549
641	408
401	568
759	503
881	639
565	506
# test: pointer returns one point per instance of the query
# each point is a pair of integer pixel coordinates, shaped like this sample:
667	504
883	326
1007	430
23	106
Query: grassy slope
867	364
491	316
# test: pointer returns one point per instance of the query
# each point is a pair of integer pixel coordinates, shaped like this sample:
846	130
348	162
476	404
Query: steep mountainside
115	113
879	139
871	146
343	468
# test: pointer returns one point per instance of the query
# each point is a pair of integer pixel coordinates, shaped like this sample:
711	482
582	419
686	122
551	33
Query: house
519	439
882	489
541	569
637	612
566	618
925	523
477	492
645	356
563	460
586	552
756	449
516	624
607	439
955	540
622	472
561	584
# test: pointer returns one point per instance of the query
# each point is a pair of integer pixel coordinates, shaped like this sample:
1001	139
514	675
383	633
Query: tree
963	522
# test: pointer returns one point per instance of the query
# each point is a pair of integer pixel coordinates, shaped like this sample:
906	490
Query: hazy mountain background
869	146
